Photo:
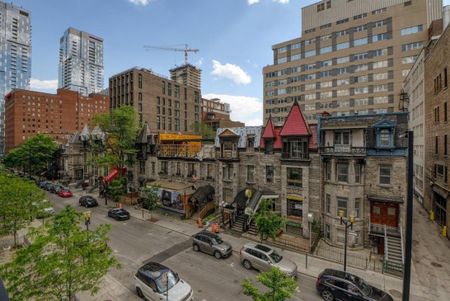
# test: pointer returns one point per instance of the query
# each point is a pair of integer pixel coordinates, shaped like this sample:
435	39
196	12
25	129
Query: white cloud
250	2
232	72
140	2
46	85
282	1
243	108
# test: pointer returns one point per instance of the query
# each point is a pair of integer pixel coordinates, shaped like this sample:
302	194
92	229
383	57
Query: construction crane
186	49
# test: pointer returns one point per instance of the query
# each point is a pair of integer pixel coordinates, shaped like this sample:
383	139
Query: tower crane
186	49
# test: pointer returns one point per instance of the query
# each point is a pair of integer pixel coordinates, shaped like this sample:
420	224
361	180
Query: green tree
150	198
121	128
280	286
20	202
61	260
268	222
203	130
116	189
33	156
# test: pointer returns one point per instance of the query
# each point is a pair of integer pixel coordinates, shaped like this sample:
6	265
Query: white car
157	282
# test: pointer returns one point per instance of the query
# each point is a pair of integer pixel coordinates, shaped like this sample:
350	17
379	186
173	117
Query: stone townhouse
276	163
364	175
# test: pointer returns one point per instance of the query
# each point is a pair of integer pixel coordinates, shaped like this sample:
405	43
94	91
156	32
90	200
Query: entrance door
440	209
384	214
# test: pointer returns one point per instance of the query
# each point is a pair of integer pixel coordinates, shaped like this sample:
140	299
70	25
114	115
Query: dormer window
251	142
385	138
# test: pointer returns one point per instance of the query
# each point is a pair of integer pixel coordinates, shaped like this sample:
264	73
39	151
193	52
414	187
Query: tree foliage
116	189
33	156
20	202
280	286
121	128
268	222
150	198
203	130
61	260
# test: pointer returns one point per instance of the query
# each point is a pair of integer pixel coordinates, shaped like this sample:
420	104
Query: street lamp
348	223
310	221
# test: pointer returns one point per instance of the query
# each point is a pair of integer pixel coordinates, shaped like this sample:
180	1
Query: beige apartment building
188	75
352	57
165	105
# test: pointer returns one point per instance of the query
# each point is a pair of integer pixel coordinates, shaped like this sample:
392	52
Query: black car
87	201
55	188
47	186
338	285
119	214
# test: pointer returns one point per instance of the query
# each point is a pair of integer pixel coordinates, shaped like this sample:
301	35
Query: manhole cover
395	293
437	265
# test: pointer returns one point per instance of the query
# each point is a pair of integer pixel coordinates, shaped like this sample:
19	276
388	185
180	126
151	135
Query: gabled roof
384	124
242	133
228	133
268	129
295	124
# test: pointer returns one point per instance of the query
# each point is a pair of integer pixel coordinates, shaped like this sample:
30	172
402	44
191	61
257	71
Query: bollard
306	261
444	231
431	215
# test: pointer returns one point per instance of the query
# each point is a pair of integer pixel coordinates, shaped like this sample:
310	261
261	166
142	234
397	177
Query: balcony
178	151
343	149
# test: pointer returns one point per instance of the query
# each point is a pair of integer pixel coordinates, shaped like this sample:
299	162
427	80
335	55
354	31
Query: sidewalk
421	289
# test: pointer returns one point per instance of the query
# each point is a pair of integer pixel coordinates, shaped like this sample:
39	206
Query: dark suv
339	285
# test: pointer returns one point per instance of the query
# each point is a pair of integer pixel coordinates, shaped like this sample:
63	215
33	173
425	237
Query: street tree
280	286
150	198
268	222
33	156
20	202
116	189
61	260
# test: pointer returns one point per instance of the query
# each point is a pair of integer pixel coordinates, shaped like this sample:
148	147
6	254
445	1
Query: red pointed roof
268	129
295	124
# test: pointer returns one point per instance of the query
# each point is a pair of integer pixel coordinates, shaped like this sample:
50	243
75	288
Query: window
411	30
342	205
294	177
341	82
228	172
342	172
360	42
380	76
436	145
445	145
409	59
380	37
327	203
344	45
343	60
357	207
269	173
310	53
358	173
325	49
385	138
327	171
327	231
342	138
380	64
412	46
140	81
250	173
445	112
294	208
385	174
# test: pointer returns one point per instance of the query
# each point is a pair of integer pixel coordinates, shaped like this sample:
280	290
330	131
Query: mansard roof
295	123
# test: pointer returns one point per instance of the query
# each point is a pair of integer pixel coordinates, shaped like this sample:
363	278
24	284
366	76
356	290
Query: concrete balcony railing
343	150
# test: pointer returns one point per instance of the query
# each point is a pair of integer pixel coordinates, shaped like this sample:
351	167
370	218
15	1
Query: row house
276	163
363	163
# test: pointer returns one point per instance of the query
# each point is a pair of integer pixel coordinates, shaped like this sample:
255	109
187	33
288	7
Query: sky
235	39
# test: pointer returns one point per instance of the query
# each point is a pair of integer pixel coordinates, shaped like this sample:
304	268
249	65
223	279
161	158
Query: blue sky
234	38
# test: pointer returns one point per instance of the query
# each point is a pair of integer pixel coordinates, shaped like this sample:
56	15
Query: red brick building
216	114
59	115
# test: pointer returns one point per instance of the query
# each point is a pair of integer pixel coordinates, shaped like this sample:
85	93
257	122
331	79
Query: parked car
212	244
119	214
263	258
339	285
46	211
153	280
87	201
65	193
56	188
47	186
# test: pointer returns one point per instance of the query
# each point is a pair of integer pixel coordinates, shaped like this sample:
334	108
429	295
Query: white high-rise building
15	55
80	62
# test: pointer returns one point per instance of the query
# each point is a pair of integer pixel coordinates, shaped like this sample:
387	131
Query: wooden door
384	214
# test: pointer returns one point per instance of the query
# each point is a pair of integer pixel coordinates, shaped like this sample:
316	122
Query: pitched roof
268	129
295	124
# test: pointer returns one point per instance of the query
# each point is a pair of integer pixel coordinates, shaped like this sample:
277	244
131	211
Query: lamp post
348	223
310	221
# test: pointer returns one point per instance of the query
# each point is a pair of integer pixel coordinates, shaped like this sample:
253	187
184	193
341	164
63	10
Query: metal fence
354	260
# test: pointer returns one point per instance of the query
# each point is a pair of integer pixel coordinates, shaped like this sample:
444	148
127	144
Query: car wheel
217	254
327	295
247	264
196	248
139	292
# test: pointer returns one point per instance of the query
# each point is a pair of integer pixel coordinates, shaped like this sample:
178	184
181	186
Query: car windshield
166	281
216	241
275	256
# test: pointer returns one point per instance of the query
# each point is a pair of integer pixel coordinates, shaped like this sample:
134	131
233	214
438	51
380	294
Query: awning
295	197
385	199
203	195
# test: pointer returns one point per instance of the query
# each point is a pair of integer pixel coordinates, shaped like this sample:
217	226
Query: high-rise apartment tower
81	62
352	58
15	55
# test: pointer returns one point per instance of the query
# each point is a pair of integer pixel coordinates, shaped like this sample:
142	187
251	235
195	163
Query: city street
136	241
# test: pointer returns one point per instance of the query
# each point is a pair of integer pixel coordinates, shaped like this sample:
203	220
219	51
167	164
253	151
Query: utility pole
409	221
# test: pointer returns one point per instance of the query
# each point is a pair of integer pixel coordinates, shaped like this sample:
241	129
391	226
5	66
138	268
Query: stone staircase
238	225
252	229
393	254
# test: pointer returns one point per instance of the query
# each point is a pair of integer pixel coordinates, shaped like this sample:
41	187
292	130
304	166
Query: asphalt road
135	242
